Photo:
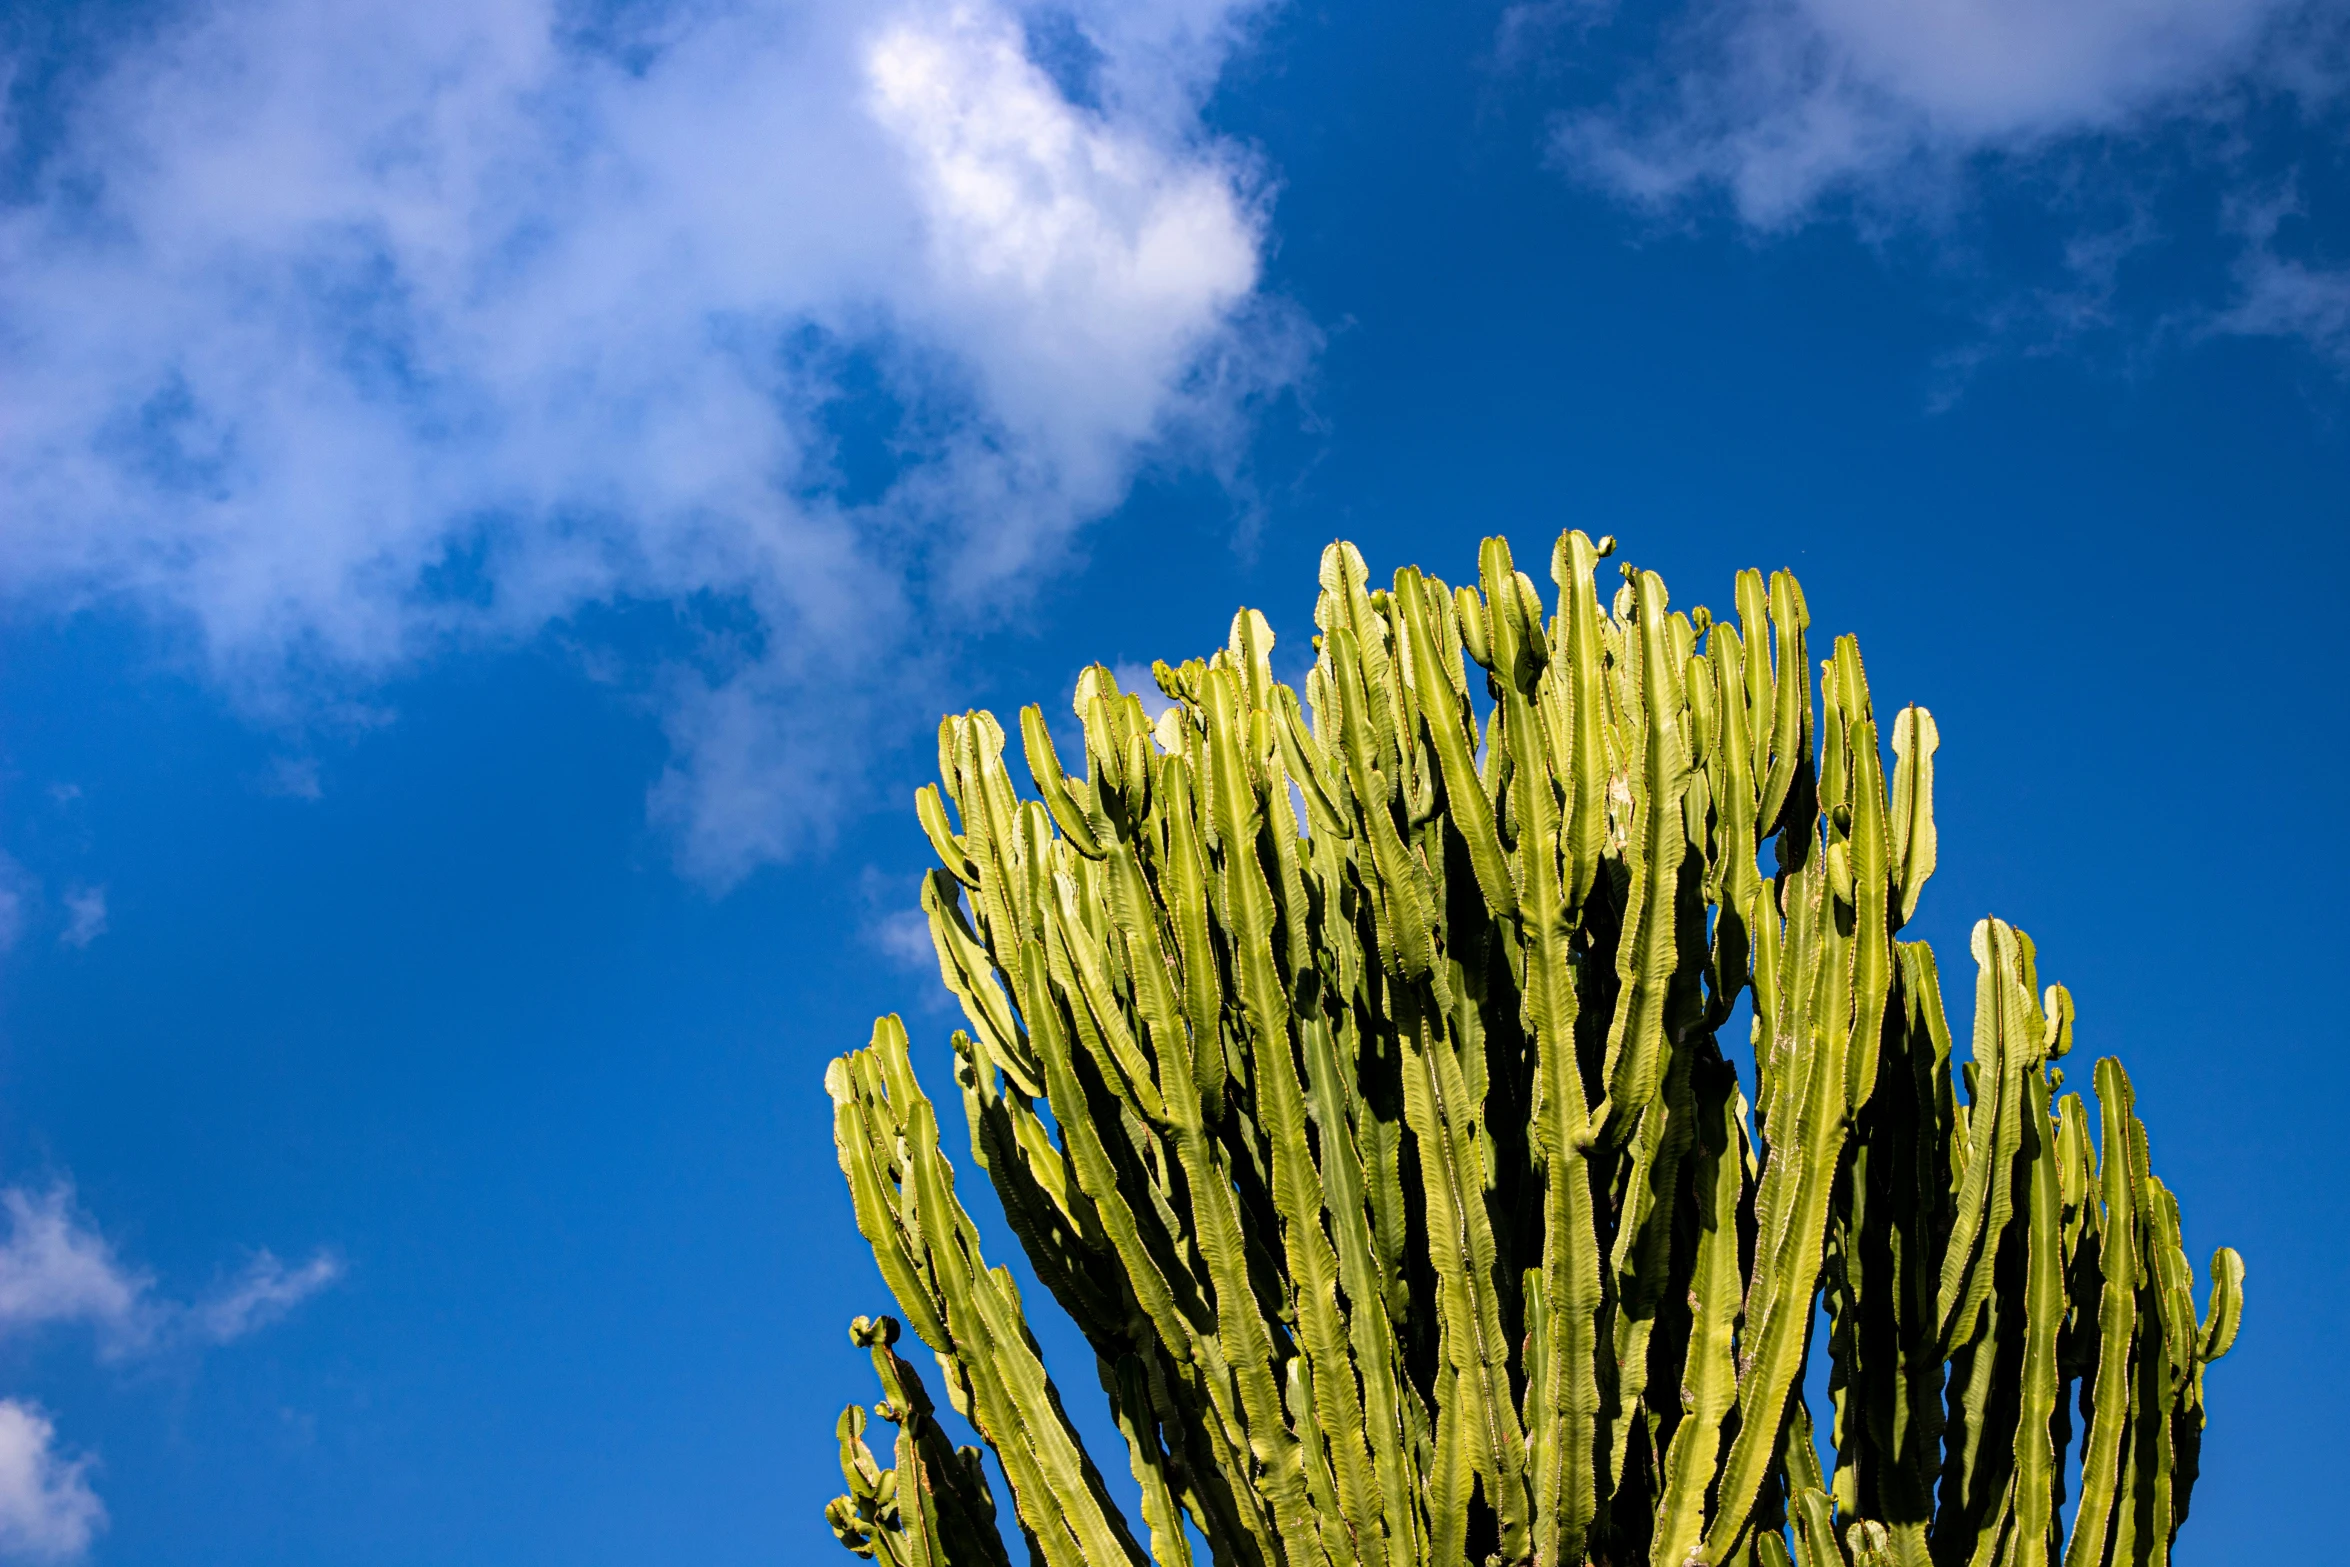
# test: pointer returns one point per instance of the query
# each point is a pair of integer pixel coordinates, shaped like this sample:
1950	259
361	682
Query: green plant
1392	1169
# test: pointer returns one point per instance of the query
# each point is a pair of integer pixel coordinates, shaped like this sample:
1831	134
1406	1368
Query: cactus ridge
1349	1069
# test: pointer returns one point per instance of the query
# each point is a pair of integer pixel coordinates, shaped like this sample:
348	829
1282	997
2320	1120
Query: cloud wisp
56	1269
2099	123
2281	294
85	916
332	338
1782	104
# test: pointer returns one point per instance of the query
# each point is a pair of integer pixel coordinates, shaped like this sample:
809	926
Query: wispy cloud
335	337
2284	298
291	778
56	1268
2282	294
1780	104
48	1513
262	1293
16	892
1914	117
85	916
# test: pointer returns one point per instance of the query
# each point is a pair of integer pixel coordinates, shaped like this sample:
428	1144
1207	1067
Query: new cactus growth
1390	1164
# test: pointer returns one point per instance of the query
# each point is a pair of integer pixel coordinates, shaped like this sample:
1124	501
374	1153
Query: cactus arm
1005	1389
1395	879
1461	1248
1737	889
1126	1383
2226	1311
1137	919
1911	1417
1470	811
2035	1452
1230	1517
1791	712
1872	956
1754	636
1078	967
2171	1379
944	841
1240	1352
964	965
879	1219
952	1521
2010	1033
1584	768
1096	1174
1636	1044
1184	887
1641	1256
2116	1322
1048	1212
1915	740
1331	1542
1815	1531
1796	1186
1241	1348
1041	1456
2147	1490
1709	1375
1370	1332
1990	1111
1246	903
1063	1484
1451	1477
1044	766
2211	1340
1344	578
1313	1271
861	1520
1311	771
1566	1394
1780	1323
2173	1280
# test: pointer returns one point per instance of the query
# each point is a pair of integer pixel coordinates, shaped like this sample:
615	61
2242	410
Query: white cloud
337	336
85	916
16	890
1781	103
2285	298
48	1512
903	935
2285	295
56	1268
261	1295
291	778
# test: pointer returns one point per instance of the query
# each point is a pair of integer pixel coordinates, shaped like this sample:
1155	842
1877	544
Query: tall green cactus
1390	1165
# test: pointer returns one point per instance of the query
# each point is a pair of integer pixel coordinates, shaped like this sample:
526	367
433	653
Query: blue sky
493	497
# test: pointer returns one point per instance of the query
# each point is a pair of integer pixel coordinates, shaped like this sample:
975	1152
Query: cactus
1390	1163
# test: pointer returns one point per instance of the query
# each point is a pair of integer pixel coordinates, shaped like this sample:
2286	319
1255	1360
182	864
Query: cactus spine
1391	1165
